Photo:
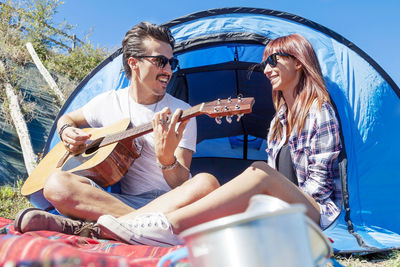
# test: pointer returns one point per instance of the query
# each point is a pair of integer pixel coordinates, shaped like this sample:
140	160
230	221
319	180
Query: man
166	153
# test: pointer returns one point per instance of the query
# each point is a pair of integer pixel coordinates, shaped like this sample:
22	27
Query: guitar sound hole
94	146
91	150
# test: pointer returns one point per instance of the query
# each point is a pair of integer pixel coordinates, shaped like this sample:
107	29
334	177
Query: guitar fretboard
146	128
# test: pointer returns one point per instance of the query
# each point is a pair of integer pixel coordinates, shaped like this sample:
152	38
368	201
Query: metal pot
284	238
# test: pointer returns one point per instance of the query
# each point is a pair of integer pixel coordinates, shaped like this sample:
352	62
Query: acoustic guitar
110	151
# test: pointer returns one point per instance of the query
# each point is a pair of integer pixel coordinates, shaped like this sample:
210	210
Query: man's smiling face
152	80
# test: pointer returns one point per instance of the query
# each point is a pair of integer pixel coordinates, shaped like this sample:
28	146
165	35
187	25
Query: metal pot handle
173	257
321	259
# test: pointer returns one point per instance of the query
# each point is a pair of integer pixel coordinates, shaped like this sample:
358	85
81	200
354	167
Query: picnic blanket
47	248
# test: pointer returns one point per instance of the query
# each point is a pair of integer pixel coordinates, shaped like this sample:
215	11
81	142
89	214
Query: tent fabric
366	98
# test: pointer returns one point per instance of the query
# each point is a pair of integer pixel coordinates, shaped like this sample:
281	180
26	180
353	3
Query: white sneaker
151	229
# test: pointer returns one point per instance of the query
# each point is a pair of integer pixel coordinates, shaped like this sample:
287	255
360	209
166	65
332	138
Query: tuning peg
219	101
239	97
239	116
229	118
229	99
218	120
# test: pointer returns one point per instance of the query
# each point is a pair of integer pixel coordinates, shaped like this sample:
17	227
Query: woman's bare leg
190	191
233	197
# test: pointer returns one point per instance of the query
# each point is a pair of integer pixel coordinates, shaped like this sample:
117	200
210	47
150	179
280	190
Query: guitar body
105	165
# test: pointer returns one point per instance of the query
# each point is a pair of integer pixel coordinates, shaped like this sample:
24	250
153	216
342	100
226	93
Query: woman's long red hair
311	84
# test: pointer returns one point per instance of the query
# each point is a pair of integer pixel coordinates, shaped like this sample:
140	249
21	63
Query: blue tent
217	47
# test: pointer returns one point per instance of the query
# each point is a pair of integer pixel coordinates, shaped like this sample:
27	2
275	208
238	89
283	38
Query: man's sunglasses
272	60
161	61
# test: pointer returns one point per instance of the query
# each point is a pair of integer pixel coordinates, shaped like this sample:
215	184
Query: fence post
30	158
45	73
73	41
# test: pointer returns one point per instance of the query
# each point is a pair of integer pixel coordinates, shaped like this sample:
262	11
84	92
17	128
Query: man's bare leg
75	197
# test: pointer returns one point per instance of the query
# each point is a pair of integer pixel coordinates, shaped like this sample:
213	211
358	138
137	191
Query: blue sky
372	25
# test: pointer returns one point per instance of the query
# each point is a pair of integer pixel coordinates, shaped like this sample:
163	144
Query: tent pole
245	145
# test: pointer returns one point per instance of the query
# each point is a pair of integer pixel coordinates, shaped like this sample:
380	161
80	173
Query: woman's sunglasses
161	61
272	60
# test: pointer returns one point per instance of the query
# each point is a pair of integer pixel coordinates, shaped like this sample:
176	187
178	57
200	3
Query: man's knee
57	187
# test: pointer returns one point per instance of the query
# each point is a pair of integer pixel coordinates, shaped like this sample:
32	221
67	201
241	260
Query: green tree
11	36
78	63
38	21
33	20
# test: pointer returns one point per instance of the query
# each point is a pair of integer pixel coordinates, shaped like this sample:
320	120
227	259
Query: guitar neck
135	132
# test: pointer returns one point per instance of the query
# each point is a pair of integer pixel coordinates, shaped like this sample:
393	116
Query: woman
305	123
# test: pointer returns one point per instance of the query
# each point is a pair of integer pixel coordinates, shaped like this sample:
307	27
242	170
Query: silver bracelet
168	167
62	128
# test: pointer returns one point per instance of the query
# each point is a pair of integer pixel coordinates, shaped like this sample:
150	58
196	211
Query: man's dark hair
132	45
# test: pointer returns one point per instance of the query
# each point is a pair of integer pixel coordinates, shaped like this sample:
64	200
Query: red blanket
46	248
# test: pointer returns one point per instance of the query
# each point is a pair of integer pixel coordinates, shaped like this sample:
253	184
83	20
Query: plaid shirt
314	154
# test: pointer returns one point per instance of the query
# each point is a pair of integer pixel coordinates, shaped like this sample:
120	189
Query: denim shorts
134	201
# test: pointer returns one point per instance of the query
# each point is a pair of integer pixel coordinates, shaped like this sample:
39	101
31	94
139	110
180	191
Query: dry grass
383	259
11	200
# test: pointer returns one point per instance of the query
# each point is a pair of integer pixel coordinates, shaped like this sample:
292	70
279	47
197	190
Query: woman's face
285	75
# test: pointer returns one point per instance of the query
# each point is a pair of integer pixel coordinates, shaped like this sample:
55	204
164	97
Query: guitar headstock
228	107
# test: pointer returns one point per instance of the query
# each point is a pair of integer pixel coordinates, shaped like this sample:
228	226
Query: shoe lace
88	229
142	221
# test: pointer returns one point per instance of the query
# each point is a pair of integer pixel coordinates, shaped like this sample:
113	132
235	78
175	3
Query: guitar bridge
63	159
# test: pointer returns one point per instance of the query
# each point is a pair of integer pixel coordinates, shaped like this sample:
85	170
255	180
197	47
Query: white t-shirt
112	106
